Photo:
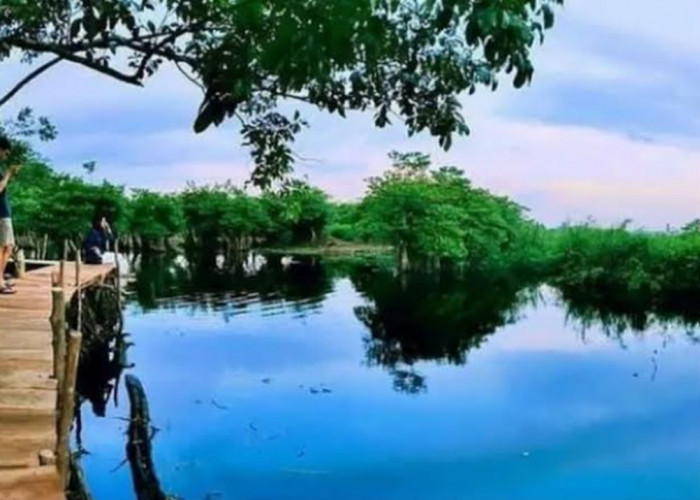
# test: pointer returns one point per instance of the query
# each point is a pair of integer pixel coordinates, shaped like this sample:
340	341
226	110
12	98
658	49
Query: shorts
7	233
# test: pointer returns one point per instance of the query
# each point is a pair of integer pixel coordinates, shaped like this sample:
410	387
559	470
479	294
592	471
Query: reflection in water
430	318
285	401
409	319
100	371
273	281
620	315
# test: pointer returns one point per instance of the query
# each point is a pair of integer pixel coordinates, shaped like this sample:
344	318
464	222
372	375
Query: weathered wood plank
39	483
21	451
27	391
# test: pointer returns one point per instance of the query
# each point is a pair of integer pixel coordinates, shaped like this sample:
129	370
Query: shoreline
325	250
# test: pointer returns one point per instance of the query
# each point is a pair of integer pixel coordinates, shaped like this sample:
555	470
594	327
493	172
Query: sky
608	130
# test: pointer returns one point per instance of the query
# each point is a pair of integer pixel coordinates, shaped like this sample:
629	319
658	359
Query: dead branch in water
139	449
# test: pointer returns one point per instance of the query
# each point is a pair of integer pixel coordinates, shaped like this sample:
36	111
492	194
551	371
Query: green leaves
155	215
438	214
407	61
548	16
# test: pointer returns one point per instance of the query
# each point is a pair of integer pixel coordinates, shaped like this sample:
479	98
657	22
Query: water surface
310	380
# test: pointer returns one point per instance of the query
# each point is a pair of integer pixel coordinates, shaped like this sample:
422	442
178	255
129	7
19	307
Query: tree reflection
618	315
416	318
233	284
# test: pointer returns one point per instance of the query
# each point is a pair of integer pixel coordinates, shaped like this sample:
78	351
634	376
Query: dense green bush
650	266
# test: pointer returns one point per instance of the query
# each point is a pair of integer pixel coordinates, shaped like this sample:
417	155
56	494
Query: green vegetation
436	217
411	59
659	271
433	218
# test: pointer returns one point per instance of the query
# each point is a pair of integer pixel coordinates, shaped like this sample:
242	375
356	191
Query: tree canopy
438	214
409	59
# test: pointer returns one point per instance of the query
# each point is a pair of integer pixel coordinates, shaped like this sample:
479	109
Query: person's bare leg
8	255
5	253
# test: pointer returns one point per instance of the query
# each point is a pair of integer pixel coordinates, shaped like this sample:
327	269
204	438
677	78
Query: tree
343	222
431	216
298	213
155	216
405	58
223	211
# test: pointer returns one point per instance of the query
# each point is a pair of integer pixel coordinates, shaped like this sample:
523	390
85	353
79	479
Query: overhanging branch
27	79
72	57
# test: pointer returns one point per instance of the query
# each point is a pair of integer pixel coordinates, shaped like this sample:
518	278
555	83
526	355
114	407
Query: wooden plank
27	391
15	421
30	484
26	379
21	451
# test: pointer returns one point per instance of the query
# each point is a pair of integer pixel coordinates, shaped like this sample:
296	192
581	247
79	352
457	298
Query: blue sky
610	127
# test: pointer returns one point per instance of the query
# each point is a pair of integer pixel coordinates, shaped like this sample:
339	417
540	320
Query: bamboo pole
67	411
58	326
64	258
20	264
79	291
78	265
119	274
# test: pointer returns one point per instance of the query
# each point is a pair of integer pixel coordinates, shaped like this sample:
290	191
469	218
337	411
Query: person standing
7	235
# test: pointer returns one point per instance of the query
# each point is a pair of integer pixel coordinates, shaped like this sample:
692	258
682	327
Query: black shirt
5	207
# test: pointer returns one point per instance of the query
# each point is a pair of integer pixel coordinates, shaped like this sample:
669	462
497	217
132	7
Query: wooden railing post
20	264
119	273
78	264
67	407
79	291
58	327
64	258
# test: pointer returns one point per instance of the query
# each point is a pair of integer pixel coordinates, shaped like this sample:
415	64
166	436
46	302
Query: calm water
309	381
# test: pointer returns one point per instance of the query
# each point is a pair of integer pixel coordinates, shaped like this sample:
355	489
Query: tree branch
157	49
70	56
189	77
27	79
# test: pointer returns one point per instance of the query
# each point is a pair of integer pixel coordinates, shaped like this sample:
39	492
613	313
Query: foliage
407	58
222	210
61	206
437	214
298	213
655	269
343	222
153	216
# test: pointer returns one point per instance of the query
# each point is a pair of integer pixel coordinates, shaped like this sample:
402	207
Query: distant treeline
433	218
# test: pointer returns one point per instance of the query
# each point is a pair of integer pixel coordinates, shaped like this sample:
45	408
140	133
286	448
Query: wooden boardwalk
27	392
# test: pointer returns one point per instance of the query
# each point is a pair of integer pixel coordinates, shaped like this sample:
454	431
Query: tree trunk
404	261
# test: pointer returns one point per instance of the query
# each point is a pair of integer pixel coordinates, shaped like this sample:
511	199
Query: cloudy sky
610	127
